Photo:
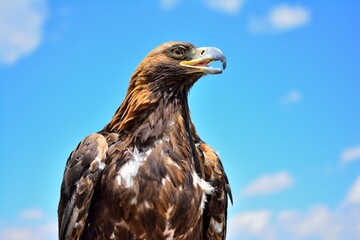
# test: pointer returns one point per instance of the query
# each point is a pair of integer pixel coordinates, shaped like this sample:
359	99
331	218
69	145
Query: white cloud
228	6
269	183
318	222
287	215
281	18
285	17
292	97
21	23
32	214
353	195
16	233
252	223
350	154
31	224
46	231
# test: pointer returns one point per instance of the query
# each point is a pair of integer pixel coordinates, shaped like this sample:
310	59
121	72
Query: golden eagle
147	174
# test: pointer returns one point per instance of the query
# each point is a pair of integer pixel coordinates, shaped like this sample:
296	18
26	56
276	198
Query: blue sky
284	116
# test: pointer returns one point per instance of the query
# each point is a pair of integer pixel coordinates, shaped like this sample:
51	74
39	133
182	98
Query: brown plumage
147	174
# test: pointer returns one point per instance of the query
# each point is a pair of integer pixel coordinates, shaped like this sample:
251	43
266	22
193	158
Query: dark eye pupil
177	51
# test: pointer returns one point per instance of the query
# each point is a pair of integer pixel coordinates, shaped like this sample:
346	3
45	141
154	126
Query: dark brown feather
81	175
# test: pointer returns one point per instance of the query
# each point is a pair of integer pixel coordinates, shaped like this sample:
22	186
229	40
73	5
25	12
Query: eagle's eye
178	52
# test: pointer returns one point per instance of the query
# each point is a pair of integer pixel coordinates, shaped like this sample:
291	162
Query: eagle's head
177	65
164	76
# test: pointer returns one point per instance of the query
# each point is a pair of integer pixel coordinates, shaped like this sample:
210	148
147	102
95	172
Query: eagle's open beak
203	56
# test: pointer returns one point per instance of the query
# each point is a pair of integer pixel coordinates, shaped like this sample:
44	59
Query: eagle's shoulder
215	214
82	172
213	168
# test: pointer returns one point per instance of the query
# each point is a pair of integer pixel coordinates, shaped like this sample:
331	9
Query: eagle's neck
144	122
191	135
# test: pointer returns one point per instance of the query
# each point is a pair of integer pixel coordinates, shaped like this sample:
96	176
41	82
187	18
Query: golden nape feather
147	174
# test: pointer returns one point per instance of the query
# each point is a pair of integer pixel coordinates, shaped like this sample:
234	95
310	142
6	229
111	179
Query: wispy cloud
21	28
46	231
292	97
32	214
280	18
61	17
16	233
29	224
269	183
285	17
353	195
318	222
251	223
350	155
228	6
168	4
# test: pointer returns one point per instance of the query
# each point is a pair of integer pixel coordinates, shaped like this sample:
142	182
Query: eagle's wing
215	212
82	172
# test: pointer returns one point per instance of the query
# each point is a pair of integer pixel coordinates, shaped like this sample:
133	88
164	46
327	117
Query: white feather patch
102	165
130	169
218	227
205	186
